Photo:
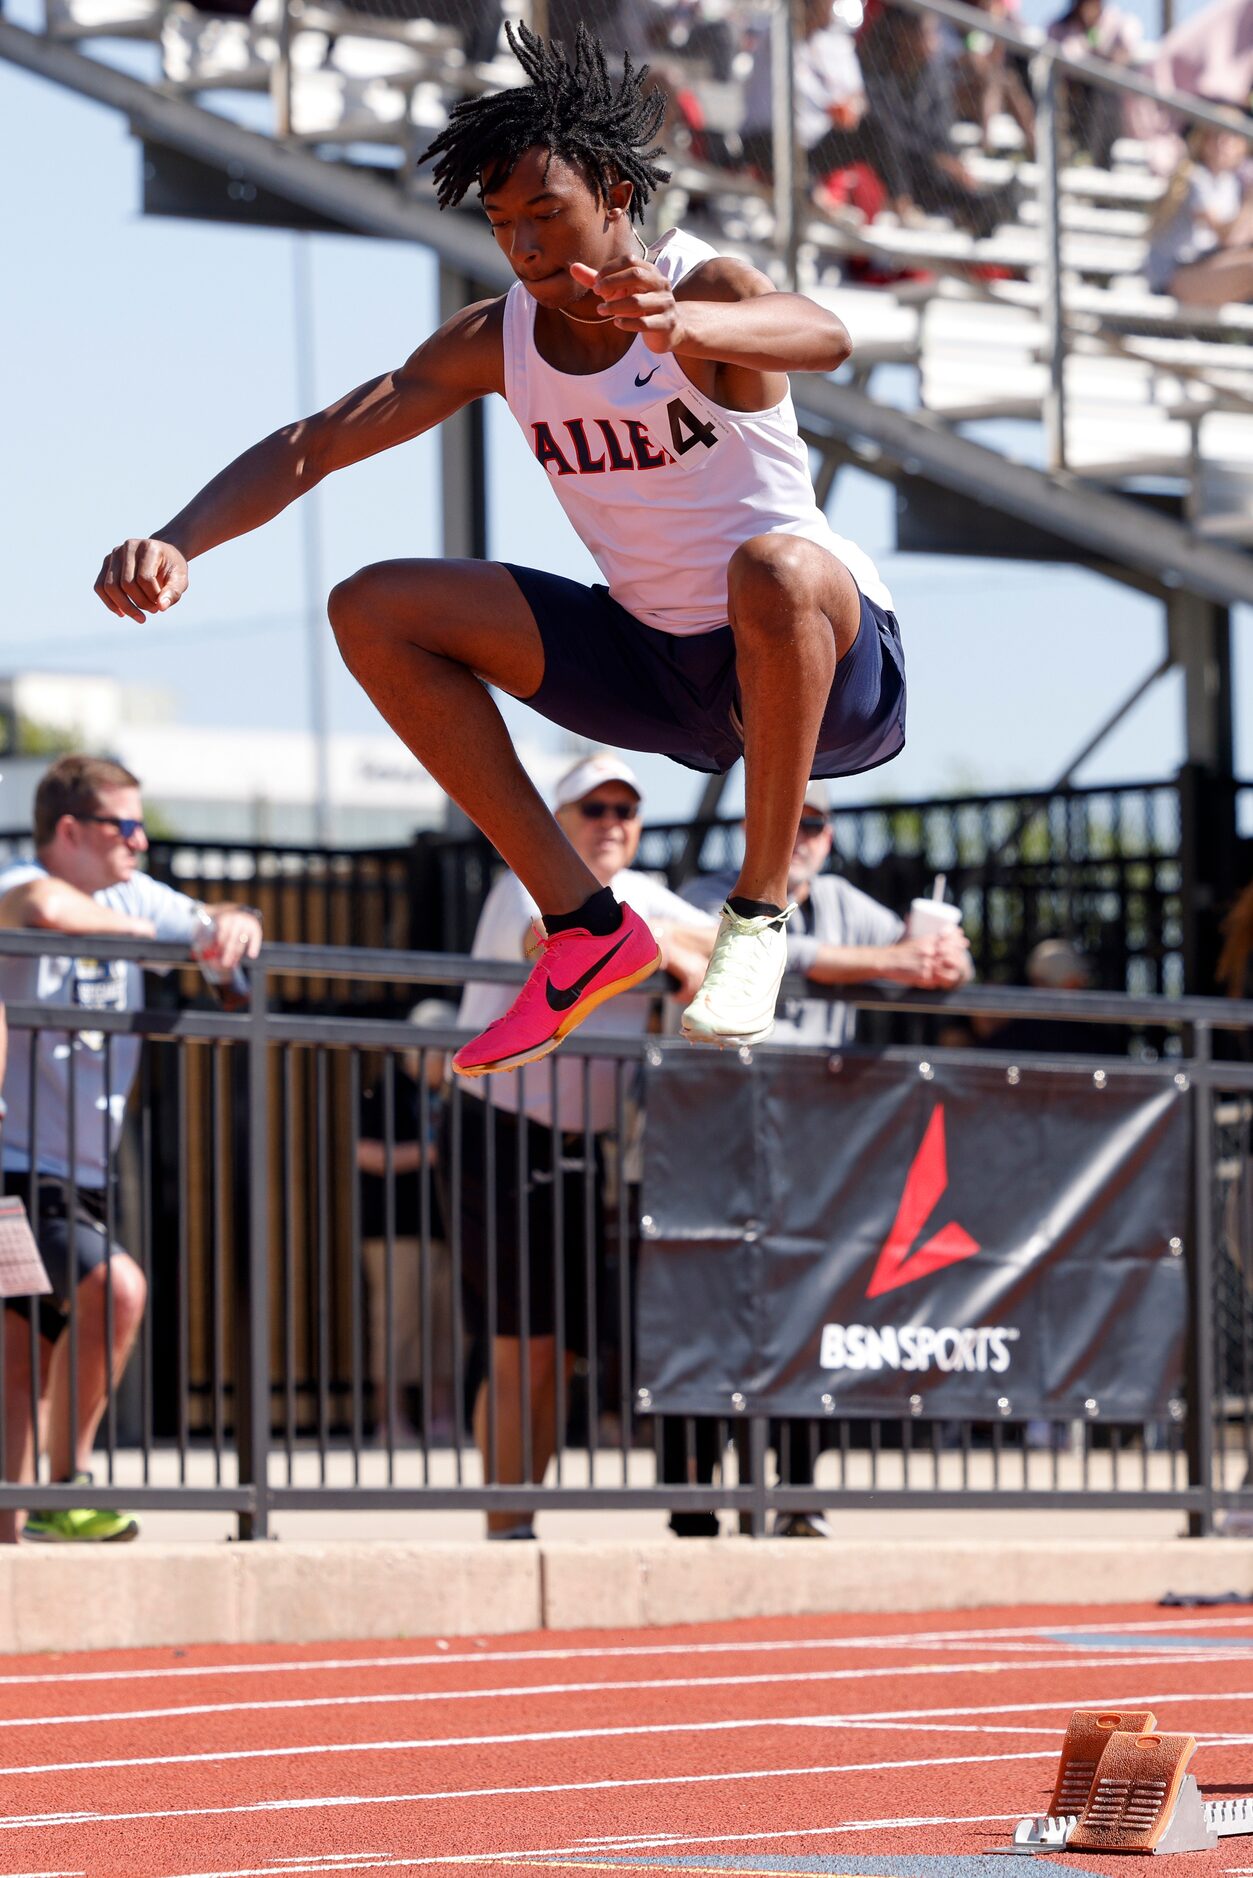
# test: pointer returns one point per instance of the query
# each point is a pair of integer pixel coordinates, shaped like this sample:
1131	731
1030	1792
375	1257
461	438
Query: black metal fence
311	1342
1116	869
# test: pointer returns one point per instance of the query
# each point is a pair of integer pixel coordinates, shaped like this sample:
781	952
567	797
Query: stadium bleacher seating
1152	389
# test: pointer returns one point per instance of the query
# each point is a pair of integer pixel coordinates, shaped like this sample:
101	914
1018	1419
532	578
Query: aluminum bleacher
1150	389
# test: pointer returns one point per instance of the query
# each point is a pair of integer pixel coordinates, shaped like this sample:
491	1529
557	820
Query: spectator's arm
51	905
937	962
238	932
407	1157
685	953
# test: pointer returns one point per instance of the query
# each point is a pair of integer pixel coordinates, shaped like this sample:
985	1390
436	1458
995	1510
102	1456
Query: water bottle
229	987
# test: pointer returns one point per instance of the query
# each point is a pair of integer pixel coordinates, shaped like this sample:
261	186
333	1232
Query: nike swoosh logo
561	1000
652	374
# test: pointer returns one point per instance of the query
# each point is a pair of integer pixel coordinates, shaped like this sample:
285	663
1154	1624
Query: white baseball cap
589	773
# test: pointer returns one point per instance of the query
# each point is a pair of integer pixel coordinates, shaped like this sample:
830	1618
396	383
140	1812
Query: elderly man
597	805
89	837
837	936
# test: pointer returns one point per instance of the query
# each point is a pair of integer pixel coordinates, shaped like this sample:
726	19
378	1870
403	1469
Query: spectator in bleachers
912	112
830	97
1201	234
63	1096
399	1315
838	936
597	804
478	21
987	80
1091	117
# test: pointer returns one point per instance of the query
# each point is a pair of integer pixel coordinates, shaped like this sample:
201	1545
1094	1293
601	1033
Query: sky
140	355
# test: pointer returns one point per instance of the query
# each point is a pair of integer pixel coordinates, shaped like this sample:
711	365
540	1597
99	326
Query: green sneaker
80	1525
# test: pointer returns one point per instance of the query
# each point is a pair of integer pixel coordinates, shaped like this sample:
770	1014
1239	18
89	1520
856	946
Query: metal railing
287	1363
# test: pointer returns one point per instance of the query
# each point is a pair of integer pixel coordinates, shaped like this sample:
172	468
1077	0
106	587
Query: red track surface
684	1748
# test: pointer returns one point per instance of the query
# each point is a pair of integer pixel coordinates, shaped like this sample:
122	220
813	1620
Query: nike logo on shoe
560	999
652	374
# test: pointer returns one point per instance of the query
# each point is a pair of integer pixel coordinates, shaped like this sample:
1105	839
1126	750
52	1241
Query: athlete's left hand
637	297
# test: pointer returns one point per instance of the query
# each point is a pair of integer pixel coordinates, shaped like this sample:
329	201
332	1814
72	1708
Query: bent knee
350	603
125	1281
772	568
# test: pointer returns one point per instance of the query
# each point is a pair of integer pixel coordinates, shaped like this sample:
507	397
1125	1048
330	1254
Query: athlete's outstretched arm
459	363
725	311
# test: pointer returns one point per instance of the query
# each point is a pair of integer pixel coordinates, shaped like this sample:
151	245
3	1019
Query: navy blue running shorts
614	680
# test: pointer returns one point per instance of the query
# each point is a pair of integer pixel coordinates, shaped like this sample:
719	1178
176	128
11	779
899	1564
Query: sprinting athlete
651	384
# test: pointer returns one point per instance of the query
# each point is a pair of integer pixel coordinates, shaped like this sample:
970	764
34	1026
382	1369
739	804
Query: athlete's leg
794	611
425	639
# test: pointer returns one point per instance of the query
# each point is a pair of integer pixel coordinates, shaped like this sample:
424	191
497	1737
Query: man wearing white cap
597	805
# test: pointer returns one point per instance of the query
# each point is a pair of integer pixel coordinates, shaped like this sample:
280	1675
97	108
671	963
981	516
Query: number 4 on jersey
686	429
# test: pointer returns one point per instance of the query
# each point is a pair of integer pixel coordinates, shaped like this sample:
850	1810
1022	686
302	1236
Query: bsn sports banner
946	1245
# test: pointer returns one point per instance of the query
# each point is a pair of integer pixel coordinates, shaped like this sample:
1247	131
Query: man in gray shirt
66	1094
840	936
837	936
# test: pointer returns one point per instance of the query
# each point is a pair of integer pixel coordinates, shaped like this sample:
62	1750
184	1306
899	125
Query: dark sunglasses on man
128	826
812	824
617	811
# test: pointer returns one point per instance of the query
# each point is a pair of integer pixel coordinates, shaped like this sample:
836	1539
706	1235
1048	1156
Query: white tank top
661	484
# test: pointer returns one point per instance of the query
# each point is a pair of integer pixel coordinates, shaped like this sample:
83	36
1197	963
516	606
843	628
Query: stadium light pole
311	542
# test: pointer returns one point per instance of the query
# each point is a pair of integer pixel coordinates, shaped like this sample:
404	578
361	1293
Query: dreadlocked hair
571	107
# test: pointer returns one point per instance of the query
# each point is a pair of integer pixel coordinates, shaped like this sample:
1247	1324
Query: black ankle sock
600	913
754	909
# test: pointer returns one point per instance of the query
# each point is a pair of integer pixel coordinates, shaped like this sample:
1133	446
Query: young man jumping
651	385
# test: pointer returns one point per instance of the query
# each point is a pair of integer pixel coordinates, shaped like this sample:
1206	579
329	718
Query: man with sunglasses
597	805
65	1114
839	935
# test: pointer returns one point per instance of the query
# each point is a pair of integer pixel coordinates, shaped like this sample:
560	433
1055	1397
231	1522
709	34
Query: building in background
221	784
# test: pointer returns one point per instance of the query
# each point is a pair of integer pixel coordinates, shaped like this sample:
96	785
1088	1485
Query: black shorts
522	1212
612	679
70	1247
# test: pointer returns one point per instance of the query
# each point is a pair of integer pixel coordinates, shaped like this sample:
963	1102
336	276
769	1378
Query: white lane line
853	1719
533	1854
29	1822
33	1822
1038	1634
421	1746
532	1691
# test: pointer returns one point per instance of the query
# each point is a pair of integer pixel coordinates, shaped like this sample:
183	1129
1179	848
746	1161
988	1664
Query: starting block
1123	1787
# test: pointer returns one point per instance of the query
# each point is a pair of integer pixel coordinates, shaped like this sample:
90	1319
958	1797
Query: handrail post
1044	84
789	163
281	79
252	1354
1201	1317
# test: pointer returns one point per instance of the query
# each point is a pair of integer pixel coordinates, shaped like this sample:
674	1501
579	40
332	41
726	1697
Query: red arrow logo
924	1185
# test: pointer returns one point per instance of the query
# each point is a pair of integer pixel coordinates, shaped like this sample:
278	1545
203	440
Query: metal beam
1198	638
357	201
889	442
463	446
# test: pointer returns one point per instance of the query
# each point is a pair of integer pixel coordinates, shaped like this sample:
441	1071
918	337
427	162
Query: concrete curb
155	1595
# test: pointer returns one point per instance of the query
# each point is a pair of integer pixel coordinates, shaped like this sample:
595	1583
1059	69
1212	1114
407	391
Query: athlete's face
604	828
547	214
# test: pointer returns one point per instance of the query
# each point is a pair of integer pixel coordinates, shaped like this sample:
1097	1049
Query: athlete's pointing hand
142	576
637	297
